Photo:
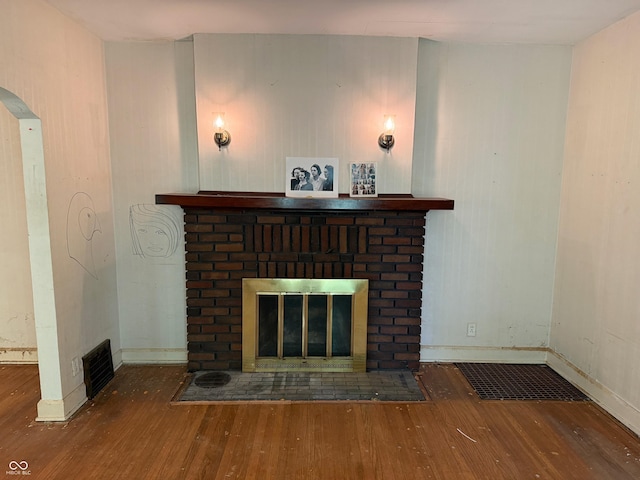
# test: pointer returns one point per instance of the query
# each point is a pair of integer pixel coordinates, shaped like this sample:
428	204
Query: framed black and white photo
312	177
363	180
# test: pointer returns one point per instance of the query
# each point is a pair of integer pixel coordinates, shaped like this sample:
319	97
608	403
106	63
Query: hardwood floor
131	430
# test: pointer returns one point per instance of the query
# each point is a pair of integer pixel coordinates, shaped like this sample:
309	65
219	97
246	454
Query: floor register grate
498	381
98	368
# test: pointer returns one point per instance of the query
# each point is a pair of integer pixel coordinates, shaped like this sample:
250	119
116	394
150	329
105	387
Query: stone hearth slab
387	385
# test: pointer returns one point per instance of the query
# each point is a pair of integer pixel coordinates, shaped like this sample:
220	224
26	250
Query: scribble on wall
82	224
154	231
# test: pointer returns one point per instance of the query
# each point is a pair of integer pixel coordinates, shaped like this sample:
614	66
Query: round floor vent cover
212	380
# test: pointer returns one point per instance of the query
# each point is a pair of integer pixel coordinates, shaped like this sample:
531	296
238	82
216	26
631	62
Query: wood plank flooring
131	430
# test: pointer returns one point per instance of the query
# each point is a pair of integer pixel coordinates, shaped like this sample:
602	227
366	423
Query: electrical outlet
471	329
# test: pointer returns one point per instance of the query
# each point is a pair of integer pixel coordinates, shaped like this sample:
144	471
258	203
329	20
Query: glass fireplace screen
304	324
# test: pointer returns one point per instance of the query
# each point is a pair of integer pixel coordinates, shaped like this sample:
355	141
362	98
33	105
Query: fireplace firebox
304	325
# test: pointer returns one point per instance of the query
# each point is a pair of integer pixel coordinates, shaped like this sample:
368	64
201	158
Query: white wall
303	96
57	68
595	331
153	150
489	134
17	322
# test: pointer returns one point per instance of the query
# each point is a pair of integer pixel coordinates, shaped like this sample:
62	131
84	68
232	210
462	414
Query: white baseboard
116	358
627	414
452	354
18	355
623	411
152	355
62	410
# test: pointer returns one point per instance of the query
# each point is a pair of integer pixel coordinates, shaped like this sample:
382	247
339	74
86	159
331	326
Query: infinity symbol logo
13	465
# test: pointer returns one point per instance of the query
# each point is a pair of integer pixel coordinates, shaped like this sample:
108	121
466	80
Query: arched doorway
40	258
17	328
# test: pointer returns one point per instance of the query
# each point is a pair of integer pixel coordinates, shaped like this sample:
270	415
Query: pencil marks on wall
154	231
82	225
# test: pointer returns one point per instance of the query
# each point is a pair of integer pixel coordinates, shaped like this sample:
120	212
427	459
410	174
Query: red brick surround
226	245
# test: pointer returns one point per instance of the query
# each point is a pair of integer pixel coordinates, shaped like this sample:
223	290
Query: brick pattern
225	246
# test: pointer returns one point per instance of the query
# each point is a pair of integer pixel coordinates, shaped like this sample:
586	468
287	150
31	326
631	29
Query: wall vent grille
98	368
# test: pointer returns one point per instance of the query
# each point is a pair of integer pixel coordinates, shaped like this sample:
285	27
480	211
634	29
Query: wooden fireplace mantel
278	201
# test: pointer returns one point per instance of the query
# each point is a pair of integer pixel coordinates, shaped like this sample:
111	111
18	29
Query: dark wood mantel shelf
278	201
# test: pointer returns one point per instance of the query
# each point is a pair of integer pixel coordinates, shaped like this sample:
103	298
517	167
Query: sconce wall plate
386	141
222	138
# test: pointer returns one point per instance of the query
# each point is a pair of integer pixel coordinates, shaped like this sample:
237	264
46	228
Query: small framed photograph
363	180
312	177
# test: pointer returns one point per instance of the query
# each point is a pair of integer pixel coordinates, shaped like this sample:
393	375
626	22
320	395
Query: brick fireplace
231	236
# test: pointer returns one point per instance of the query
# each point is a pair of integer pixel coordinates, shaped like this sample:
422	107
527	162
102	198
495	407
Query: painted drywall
595	329
303	96
489	134
17	322
57	69
153	150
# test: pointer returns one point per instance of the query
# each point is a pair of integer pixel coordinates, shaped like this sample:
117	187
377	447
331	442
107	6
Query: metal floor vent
497	381
98	368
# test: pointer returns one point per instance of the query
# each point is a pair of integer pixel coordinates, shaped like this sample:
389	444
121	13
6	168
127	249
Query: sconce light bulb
386	139
219	123
389	125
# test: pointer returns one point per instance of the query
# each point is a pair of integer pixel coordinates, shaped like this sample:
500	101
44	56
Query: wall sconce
386	140
221	136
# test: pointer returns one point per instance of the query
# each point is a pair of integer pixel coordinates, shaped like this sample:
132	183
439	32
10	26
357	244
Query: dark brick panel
225	246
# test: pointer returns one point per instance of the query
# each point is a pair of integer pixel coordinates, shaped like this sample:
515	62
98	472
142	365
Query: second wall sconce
221	136
386	140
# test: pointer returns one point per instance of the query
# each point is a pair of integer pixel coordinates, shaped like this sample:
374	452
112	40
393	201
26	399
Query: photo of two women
312	177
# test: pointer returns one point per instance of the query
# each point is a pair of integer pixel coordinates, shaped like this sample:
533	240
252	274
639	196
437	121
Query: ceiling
473	21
